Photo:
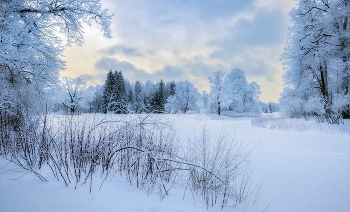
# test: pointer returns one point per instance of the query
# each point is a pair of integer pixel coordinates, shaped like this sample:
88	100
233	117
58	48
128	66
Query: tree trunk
219	108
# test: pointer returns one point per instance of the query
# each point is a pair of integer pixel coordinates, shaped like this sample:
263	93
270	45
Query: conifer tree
158	103
172	88
108	92
119	94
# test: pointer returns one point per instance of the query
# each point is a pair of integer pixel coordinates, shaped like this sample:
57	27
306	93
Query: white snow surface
305	171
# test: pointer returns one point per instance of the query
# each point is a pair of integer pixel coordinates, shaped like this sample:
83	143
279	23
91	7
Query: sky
178	40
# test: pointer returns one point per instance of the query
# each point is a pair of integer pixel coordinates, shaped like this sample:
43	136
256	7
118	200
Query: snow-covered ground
305	171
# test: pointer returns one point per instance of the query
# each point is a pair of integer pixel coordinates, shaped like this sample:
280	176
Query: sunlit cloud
187	40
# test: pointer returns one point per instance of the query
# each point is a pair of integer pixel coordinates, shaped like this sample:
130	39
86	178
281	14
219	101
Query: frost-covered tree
87	100
74	88
97	101
148	95
119	98
316	60
251	98
169	89
158	99
31	47
172	88
234	93
184	100
130	96
270	107
139	105
108	92
236	86
114	94
217	90
205	99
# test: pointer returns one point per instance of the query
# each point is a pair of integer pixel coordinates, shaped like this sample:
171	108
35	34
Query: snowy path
302	172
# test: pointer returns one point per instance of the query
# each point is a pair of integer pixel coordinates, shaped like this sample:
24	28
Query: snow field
300	171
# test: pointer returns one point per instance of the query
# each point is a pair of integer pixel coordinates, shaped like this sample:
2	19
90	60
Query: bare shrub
140	147
221	175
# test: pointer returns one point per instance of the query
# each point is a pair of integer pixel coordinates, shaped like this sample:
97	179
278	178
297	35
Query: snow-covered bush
76	149
220	175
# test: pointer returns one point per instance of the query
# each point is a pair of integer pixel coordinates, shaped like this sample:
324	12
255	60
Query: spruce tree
158	103
119	95
172	88
108	92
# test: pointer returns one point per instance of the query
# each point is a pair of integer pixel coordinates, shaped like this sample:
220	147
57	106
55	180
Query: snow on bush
76	149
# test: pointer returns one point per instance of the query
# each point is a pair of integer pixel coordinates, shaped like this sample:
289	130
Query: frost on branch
316	61
30	49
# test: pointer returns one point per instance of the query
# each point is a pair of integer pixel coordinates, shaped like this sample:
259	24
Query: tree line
118	95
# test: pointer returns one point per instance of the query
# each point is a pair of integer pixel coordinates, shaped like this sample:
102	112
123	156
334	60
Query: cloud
130	72
92	79
266	29
281	5
194	70
120	49
188	40
212	9
254	45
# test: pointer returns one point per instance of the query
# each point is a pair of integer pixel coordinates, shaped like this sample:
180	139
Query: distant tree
251	98
130	96
88	96
97	102
138	98
159	101
217	90
108	93
73	96
270	107
234	93
172	88
148	93
236	86
184	100
205	98
119	98
265	107
169	89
